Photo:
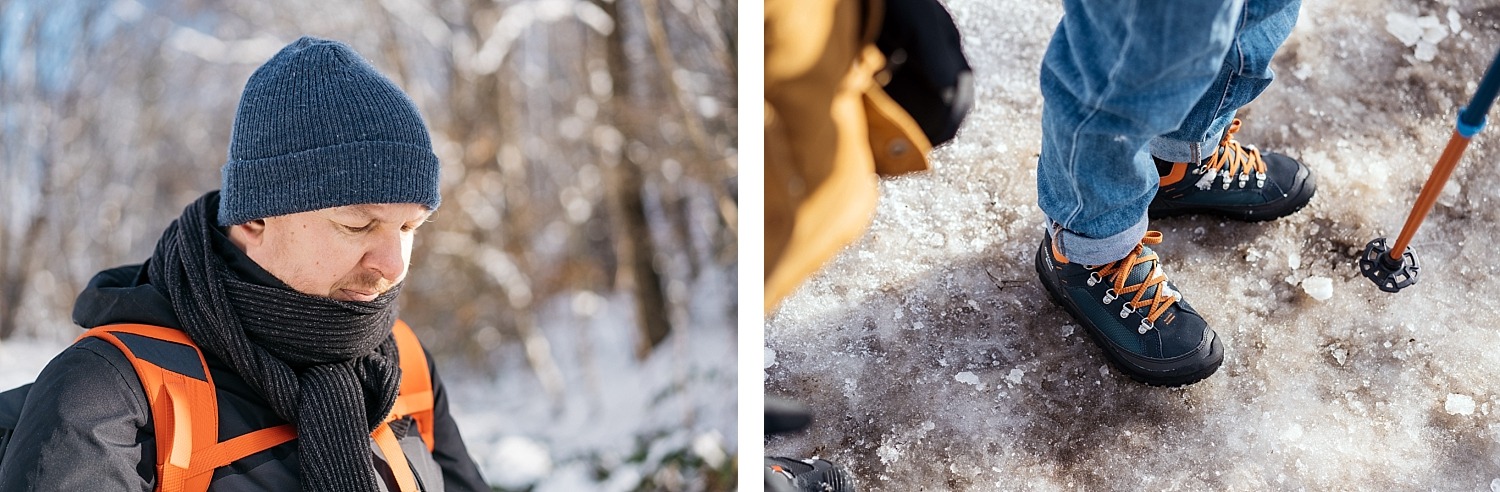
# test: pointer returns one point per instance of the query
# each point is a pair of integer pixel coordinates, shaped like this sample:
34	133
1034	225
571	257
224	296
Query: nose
387	254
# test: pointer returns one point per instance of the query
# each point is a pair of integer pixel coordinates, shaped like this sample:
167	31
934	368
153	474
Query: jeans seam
1109	88
1239	54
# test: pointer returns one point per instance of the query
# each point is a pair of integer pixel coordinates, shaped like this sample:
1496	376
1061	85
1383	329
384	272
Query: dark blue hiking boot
1133	313
812	475
1235	181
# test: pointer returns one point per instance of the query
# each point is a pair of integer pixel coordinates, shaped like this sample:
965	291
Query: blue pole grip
1471	117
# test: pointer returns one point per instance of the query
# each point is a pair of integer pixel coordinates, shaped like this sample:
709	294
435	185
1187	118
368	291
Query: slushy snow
1350	393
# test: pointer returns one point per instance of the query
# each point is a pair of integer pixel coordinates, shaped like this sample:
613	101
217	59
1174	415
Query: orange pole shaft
1430	191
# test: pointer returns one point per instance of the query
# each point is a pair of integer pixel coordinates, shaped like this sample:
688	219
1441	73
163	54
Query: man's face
351	253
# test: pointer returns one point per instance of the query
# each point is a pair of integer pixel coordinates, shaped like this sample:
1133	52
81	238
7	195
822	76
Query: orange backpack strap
185	407
181	393
415	398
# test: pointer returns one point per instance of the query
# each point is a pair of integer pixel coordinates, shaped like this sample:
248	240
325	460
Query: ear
248	235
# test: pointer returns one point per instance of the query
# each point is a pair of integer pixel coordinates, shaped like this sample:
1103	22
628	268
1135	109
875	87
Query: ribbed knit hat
318	127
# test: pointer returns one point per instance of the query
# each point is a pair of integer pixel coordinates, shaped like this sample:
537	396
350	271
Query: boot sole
1215	352
1299	198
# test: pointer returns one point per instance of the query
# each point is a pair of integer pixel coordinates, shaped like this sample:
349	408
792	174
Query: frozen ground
933	361
618	423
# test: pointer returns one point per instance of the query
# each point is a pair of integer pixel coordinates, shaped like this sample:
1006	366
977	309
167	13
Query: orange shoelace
1242	160
1119	271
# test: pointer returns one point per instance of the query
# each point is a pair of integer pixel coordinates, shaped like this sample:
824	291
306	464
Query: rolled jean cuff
1172	150
1091	251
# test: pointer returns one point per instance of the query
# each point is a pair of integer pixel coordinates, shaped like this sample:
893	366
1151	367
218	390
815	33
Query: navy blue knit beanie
318	127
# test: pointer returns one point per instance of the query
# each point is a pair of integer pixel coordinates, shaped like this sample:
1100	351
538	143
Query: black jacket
86	423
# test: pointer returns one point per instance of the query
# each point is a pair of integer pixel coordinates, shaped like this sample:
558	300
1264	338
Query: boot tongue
1141	272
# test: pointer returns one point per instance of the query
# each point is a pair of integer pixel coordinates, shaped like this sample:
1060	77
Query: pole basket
1389	273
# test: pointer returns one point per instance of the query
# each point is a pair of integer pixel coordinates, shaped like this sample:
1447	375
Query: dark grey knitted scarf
329	367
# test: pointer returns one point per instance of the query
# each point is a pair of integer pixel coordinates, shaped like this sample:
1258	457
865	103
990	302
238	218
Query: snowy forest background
933	361
578	286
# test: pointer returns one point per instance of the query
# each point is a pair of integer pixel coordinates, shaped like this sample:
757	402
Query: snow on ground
933	360
680	399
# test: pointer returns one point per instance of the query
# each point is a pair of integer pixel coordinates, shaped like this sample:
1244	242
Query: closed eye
412	226
356	230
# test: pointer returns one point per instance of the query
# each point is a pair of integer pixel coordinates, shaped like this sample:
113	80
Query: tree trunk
632	233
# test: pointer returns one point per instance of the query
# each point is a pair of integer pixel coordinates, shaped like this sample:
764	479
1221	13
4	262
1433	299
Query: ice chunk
1425	51
1459	404
1320	288
1294	260
888	453
1403	27
770	358
1453	21
967	377
1423	32
1340	354
1015	376
1432	29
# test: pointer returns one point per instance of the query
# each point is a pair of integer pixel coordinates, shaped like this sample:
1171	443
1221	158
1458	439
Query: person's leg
1115	75
1246	72
1203	168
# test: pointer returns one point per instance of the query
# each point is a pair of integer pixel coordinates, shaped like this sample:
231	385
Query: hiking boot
1133	313
811	475
1235	181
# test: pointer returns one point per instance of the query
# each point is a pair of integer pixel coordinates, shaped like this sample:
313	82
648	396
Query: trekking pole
1395	267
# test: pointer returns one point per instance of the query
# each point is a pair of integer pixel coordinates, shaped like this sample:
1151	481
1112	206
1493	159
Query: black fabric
86	425
171	356
122	295
10	414
929	76
327	366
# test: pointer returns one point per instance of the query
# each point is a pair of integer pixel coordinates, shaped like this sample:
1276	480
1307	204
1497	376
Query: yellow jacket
829	129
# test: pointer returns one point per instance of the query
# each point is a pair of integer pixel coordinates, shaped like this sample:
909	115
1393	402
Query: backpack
184	406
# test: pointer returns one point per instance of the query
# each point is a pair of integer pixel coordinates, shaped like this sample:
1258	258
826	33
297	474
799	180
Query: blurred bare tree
587	146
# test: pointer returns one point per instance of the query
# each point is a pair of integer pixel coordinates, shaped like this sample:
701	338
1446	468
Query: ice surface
1320	288
1310	397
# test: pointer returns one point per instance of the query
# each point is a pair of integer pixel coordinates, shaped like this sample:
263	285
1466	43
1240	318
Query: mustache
369	282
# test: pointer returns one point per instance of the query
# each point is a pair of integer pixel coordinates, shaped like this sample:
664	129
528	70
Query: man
286	279
1139	120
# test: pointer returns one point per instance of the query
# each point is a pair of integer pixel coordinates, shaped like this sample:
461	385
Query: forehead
383	212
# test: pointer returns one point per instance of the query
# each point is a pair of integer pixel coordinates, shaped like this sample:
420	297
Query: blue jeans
1123	75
